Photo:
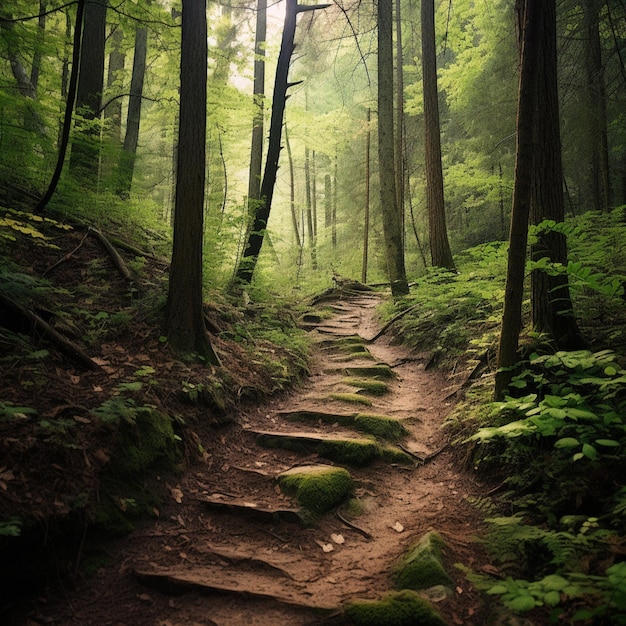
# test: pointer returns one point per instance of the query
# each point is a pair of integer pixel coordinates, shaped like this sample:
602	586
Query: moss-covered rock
317	488
382	426
380	371
374	387
352	398
402	608
421	567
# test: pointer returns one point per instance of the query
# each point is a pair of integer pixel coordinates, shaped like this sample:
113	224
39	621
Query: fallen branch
69	348
118	261
67	257
392	321
343	520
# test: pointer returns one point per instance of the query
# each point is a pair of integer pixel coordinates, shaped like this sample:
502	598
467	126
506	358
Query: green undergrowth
554	450
401	608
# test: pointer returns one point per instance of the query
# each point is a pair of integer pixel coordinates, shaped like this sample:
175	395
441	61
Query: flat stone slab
236	581
252	510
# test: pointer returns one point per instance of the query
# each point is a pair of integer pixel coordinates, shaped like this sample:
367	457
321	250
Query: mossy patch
402	608
317	489
379	371
421	568
352	398
374	387
145	442
381	426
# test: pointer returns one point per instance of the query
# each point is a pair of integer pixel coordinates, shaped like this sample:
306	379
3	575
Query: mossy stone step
379	370
373	387
381	426
357	451
317	488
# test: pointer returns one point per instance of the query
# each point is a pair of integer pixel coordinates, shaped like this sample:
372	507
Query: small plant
11	527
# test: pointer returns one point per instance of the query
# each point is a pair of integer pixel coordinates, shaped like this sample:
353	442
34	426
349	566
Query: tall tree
529	12
596	106
392	225
133	118
184	323
256	148
86	144
552	309
252	248
440	252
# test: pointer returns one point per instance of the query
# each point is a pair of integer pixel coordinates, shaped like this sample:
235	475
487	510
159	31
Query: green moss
382	426
375	387
421	567
391	454
403	608
352	398
317	488
352	452
373	371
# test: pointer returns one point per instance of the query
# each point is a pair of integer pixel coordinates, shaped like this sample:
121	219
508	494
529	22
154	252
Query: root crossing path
231	548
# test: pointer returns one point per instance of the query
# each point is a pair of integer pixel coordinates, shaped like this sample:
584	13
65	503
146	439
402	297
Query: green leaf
609	443
552	598
521	604
554	582
589	451
567	442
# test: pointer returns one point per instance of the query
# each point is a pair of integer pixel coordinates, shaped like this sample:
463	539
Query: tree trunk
310	222
522	193
69	108
598	138
256	149
441	255
86	143
551	303
366	217
292	193
133	118
117	61
399	137
388	199
184	324
252	249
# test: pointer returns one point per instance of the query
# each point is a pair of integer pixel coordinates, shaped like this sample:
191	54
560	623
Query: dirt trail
228	549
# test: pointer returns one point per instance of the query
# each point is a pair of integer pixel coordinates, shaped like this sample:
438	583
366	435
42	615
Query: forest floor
213	557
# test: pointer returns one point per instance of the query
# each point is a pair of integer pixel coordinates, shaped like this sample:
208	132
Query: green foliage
402	608
577	402
11	527
28	224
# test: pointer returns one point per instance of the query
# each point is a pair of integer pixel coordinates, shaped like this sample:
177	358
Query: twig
343	520
118	261
386	327
67	257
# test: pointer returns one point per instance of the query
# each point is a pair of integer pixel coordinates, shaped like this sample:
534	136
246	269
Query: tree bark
441	255
252	249
184	324
366	217
133	118
552	308
392	227
522	193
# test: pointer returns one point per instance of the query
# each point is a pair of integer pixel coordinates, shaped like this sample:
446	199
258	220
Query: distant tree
252	247
392	224
184	324
441	255
133	118
86	143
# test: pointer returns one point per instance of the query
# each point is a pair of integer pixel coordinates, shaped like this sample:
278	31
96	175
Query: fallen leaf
459	590
144	597
99	360
326	547
97	389
338	538
177	494
398	527
82	420
74	379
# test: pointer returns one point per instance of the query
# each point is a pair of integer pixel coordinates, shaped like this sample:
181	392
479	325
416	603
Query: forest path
229	548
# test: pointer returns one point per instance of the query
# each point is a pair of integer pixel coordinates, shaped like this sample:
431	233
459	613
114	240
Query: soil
227	547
